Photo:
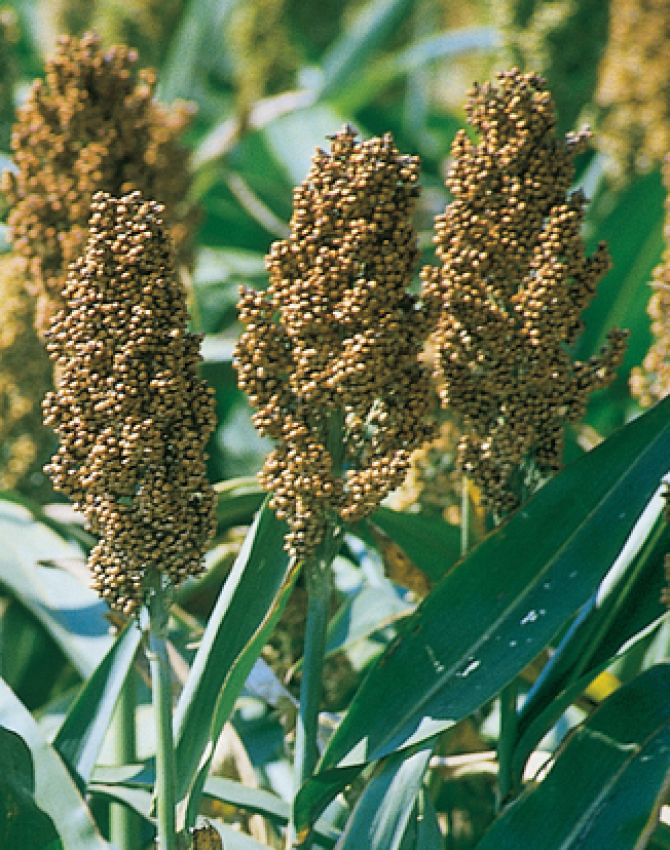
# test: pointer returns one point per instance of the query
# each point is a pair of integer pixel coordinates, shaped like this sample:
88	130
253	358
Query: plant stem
123	822
161	684
317	571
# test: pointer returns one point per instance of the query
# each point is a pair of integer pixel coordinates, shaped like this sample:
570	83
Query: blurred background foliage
270	79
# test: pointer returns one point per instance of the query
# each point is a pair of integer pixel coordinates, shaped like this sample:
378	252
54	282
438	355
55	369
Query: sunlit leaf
494	612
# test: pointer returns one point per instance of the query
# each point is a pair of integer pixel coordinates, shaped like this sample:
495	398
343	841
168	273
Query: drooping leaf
494	612
608	781
71	613
55	791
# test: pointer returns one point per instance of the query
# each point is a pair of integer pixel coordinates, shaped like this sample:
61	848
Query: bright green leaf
494	612
248	607
608	781
81	735
22	823
383	813
71	613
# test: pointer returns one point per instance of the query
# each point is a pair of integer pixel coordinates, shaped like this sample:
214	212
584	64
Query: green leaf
601	631
494	612
367	32
265	803
139	800
607	782
22	823
367	612
71	613
237	501
82	733
429	542
248	607
377	76
383	813
55	791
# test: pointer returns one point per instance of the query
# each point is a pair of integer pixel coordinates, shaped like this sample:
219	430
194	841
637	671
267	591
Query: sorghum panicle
91	125
330	354
132	415
634	86
146	25
513	282
563	41
651	382
25	377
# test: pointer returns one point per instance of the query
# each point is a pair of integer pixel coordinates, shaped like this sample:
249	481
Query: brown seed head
91	125
330	354
132	415
512	285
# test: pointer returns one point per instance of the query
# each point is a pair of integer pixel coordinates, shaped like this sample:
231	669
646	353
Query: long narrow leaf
607	783
82	733
72	614
384	810
365	34
578	656
248	607
494	612
55	790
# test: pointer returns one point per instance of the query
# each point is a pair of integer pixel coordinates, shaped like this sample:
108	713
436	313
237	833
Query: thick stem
317	572
161	684
125	824
318	579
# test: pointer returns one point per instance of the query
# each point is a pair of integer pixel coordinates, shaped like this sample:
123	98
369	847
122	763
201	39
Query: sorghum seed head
131	413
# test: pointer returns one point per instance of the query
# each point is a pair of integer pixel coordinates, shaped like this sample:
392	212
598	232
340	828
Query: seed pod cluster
512	284
131	413
92	125
329	357
634	86
25	376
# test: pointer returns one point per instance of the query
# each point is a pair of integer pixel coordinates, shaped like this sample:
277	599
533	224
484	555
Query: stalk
318	579
161	685
124	823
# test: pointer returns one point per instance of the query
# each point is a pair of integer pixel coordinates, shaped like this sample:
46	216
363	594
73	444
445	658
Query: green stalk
124	824
161	685
317	571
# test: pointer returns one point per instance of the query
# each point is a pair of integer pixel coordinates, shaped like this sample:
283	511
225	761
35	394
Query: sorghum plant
132	416
330	361
133	419
457	689
330	354
513	282
92	125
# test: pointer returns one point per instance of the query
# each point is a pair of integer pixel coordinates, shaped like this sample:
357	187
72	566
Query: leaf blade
506	600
